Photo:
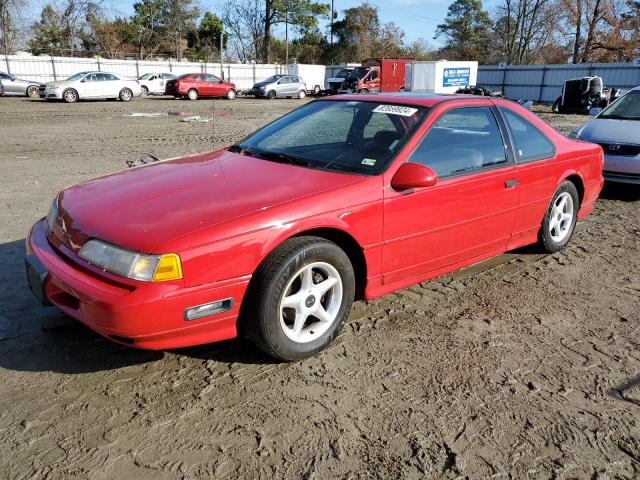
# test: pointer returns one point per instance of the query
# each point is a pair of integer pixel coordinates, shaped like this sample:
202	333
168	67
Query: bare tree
244	22
9	24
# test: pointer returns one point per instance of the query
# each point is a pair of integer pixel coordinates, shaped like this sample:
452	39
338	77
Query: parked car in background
579	95
154	83
18	86
346	197
196	85
617	130
91	86
481	91
334	84
283	86
1	88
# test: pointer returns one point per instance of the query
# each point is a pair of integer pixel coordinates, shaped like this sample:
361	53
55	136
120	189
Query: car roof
408	98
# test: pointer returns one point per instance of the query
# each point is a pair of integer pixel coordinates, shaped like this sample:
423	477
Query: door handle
511	183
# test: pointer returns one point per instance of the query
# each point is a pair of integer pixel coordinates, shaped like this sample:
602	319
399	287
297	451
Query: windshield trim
382	168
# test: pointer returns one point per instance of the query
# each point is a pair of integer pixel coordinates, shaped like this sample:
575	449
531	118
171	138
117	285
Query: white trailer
313	76
440	76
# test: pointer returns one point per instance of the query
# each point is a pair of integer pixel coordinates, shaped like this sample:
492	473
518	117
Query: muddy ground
526	366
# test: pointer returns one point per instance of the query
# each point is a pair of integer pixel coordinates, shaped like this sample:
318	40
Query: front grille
620	149
621	175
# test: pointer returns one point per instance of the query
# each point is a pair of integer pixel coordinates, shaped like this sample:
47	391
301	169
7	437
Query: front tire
556	105
192	94
125	95
33	91
560	220
70	95
302	94
299	297
231	94
271	95
145	91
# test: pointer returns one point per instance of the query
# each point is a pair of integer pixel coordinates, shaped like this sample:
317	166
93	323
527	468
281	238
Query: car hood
602	130
261	84
148	206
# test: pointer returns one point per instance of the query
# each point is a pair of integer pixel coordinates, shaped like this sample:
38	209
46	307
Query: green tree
204	42
179	18
356	34
301	14
147	27
466	30
49	36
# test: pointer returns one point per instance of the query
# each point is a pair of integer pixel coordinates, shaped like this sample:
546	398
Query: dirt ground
526	366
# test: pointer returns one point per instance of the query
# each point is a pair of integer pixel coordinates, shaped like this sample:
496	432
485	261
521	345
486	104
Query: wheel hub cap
311	302
561	218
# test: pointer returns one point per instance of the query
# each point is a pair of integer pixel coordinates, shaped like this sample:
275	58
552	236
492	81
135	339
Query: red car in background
345	198
196	85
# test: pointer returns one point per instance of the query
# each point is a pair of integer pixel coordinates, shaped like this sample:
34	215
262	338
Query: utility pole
286	38
221	54
331	26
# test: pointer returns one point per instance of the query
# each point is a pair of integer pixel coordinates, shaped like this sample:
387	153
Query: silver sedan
287	86
91	86
18	86
617	130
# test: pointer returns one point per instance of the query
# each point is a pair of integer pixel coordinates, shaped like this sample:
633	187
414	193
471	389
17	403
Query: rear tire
302	94
271	95
231	94
70	95
560	220
192	94
125	95
288	290
33	91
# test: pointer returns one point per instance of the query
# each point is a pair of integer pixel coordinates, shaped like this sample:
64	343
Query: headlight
574	135
134	265
53	214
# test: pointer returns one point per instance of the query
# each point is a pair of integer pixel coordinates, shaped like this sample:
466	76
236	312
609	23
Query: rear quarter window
530	143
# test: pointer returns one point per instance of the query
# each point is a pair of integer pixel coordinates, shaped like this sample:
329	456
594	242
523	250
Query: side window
461	141
530	143
108	76
374	75
93	78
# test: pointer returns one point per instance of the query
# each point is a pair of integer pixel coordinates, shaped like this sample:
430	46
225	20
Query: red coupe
344	198
196	85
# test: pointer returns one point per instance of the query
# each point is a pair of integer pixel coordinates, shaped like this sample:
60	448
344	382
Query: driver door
89	86
468	215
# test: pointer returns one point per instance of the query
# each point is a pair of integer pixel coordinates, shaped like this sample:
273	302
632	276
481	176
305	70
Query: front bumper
622	169
257	92
50	94
147	315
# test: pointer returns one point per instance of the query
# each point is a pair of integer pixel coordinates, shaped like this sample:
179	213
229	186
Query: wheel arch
340	237
575	178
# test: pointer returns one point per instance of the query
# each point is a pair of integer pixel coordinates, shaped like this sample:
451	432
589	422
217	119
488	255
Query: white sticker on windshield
369	161
395	110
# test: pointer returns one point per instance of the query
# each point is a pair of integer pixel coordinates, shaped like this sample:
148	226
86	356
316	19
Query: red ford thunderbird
344	198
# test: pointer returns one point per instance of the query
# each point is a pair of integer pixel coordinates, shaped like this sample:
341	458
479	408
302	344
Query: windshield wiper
282	157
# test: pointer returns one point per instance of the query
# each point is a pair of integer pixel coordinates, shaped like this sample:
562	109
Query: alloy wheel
311	302
561	217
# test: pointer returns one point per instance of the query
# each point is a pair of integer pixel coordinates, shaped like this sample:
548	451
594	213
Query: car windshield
626	107
359	137
77	76
358	73
273	78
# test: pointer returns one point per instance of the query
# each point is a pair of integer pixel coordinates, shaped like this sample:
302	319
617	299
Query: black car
579	95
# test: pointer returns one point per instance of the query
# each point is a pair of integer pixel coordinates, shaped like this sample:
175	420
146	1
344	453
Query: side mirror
593	111
413	175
